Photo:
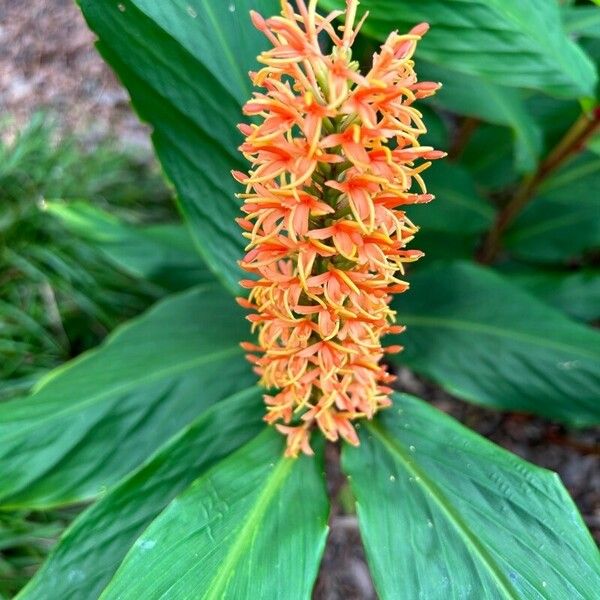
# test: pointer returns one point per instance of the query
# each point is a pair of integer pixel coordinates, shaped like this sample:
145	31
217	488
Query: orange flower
334	153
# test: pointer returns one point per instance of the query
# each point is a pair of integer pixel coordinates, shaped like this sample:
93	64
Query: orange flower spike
334	154
352	142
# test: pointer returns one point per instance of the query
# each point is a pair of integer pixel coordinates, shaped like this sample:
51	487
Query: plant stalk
465	132
573	142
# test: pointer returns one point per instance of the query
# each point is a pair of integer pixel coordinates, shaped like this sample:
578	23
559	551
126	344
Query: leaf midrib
183	47
278	475
459	324
131	385
541	227
188	115
235	65
469	537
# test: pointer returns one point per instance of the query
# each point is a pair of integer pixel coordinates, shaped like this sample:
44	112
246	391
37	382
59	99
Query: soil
47	61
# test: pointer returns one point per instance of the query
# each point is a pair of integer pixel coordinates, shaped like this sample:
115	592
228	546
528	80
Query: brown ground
47	61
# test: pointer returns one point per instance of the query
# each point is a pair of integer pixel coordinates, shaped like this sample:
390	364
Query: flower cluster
335	157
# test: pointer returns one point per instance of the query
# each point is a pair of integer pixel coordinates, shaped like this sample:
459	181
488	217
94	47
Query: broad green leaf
487	341
468	95
577	293
91	550
510	42
445	513
185	64
452	224
90	422
579	177
562	223
592	49
162	254
254	526
553	116
588	32
489	158
582	20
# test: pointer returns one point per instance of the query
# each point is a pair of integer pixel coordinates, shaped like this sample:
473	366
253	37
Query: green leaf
458	213
561	223
254	526
489	158
592	49
509	42
445	513
162	254
582	20
489	342
577	294
185	64
553	116
469	95
91	550
90	422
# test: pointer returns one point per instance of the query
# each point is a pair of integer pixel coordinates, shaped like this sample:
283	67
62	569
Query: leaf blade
489	342
442	486
451	226
184	65
133	393
576	293
512	43
493	103
91	549
232	555
163	254
553	228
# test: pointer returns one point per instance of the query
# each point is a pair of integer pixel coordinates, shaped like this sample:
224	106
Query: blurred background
81	193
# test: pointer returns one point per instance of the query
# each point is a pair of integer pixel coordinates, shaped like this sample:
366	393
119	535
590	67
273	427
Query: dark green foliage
25	540
58	294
